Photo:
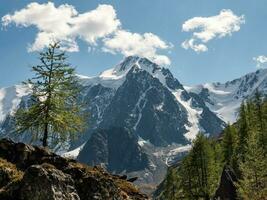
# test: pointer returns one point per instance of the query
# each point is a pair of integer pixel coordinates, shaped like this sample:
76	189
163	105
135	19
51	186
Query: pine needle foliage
53	114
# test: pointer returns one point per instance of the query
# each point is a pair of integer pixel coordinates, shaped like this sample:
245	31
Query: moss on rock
33	173
9	173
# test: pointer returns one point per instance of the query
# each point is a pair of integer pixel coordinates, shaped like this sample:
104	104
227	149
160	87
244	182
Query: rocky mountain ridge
224	99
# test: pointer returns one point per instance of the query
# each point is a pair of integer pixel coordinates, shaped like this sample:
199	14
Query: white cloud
190	44
207	28
260	60
145	45
64	23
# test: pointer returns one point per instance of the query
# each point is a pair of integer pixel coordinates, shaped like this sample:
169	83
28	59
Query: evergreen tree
186	172
171	186
258	111
253	182
264	132
259	122
229	144
241	147
201	170
53	114
243	130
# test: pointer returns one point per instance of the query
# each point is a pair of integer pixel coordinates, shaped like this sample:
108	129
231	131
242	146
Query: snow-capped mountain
146	98
10	98
161	115
140	96
224	99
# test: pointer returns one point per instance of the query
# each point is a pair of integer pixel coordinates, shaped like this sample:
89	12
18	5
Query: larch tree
53	114
171	185
260	120
253	182
243	132
229	145
200	170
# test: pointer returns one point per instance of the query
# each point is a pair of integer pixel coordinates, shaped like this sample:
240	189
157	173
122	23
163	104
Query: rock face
33	173
146	109
57	184
227	189
154	105
103	149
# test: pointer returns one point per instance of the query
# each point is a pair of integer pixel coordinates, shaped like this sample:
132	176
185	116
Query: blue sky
157	28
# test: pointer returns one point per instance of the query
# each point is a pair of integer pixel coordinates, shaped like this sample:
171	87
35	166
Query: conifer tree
200	170
186	172
242	148
171	186
259	122
253	182
264	133
243	130
53	114
229	144
258	111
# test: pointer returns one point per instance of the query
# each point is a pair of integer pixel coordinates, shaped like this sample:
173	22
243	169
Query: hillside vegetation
231	167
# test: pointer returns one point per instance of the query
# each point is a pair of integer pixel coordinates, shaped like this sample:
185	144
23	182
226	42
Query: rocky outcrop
34	173
57	184
227	189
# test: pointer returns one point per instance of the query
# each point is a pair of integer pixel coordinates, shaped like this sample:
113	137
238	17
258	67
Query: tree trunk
47	109
45	135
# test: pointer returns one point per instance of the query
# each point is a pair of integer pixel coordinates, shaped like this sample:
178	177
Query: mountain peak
225	98
140	62
127	63
116	76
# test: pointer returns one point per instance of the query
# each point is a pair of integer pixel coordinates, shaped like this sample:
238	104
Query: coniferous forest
239	154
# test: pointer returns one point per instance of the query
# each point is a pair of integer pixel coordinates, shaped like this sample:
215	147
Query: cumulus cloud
260	60
64	23
207	28
145	45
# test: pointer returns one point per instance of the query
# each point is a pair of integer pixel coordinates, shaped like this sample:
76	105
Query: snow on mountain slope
193	115
114	77
145	76
10	98
225	98
111	78
161	74
74	153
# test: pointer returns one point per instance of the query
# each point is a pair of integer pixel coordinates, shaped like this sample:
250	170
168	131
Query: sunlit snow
10	98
